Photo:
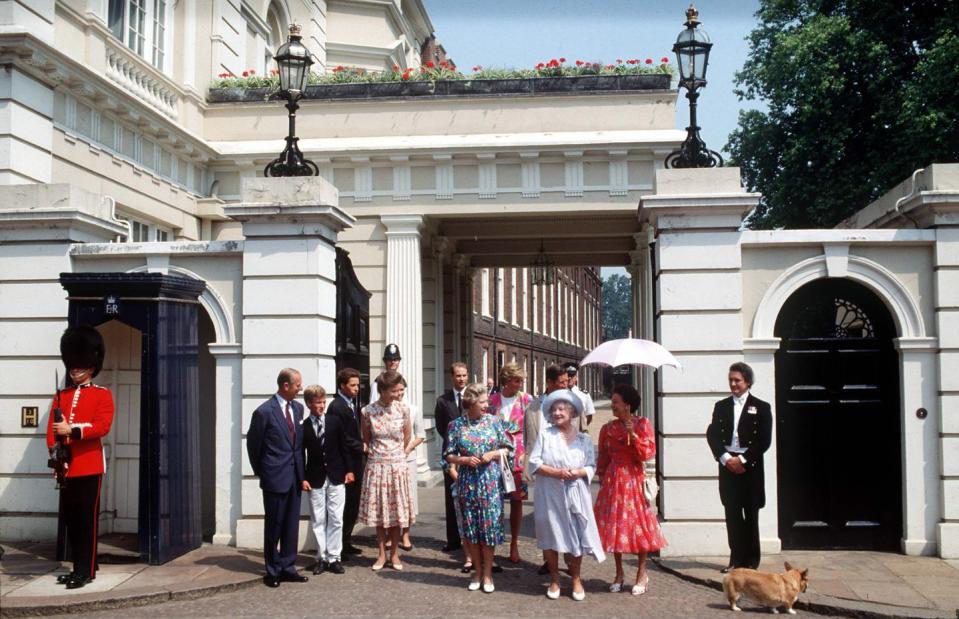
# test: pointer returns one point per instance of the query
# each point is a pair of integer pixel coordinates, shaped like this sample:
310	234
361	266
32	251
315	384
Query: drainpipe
913	192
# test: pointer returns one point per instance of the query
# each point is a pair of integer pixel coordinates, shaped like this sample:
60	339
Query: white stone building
118	172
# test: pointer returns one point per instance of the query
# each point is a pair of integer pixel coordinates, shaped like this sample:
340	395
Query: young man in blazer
739	435
449	406
345	407
328	468
274	444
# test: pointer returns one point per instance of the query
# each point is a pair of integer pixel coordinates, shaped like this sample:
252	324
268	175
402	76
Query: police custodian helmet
82	347
391	353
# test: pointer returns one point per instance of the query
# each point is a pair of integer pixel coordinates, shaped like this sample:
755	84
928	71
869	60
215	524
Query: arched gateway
838	429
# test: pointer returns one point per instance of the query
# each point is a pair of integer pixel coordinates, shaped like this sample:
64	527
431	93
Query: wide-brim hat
82	347
562	395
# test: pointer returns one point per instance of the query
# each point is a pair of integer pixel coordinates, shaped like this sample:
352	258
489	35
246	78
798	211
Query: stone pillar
404	297
26	128
39	226
229	446
289	302
947	326
699	318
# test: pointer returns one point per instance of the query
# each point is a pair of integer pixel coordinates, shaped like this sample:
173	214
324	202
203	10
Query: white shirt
734	447
588	407
283	403
506	406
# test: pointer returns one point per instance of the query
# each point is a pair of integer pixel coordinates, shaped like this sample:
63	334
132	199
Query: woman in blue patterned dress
477	440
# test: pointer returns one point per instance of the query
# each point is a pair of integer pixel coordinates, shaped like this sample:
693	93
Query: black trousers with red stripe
80	508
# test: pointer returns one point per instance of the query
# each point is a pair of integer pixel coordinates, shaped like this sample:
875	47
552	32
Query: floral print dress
513	426
626	521
385	498
479	491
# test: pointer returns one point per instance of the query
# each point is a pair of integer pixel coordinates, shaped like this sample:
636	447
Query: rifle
60	455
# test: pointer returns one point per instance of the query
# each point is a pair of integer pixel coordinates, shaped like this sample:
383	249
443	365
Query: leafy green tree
617	306
860	93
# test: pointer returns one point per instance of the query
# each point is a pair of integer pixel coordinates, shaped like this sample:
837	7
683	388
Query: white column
921	498
404	297
947	326
229	446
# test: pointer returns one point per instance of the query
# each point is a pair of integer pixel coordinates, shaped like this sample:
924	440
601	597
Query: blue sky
520	33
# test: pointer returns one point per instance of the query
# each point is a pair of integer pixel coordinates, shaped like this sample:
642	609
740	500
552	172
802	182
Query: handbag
650	490
509	483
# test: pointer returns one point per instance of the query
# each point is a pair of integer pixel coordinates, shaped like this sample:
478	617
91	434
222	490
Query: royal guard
81	414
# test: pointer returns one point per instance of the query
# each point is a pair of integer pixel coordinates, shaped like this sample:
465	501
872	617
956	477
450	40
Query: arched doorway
838	430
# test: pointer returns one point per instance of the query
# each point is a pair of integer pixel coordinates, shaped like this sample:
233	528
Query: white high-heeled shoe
553	595
488	587
641	587
616	587
474	585
579	596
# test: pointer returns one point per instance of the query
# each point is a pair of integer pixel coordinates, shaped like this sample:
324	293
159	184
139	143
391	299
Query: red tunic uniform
91	419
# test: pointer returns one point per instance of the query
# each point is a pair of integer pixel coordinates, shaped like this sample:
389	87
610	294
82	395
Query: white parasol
630	351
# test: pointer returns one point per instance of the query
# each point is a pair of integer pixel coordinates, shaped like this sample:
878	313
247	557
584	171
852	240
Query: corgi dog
772	590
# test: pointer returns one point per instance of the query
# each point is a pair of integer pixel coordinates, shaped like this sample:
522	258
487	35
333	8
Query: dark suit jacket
329	460
352	442
275	460
444	413
755	434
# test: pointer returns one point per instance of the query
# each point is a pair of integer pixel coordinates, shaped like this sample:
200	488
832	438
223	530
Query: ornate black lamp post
293	61
692	54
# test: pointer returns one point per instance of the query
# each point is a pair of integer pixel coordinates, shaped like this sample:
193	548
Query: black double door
838	429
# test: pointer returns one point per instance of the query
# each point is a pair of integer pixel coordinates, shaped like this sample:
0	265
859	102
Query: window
145	232
142	26
484	292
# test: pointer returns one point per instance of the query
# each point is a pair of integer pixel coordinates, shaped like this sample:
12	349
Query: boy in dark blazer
739	435
274	444
328	468
345	408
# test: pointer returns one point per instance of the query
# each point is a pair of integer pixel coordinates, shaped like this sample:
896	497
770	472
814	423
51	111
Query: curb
823	605
132	599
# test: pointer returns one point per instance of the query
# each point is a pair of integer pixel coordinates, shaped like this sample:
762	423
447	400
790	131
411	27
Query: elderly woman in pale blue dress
564	461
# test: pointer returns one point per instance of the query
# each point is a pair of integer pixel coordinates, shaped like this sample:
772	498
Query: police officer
87	414
391	361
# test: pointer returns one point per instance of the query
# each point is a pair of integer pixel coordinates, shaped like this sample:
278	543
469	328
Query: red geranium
649	61
665	59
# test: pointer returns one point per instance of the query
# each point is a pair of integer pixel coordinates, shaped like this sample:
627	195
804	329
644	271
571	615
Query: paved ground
219	581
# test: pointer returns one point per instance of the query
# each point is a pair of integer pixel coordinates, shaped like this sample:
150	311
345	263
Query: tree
617	306
860	93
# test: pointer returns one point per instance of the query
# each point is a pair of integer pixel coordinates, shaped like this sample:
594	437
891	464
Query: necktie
320	430
289	424
459	404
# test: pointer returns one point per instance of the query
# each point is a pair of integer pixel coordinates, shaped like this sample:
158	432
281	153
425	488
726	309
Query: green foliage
860	93
617	306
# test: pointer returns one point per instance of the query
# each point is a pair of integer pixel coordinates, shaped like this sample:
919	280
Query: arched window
278	29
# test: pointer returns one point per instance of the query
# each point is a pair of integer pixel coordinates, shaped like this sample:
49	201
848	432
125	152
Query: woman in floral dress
477	441
626	521
385	498
510	404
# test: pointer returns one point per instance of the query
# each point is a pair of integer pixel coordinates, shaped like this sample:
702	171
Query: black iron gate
838	429
352	322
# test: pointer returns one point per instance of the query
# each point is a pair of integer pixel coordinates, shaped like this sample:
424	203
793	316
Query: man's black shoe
543	569
449	548
319	568
352	550
271	581
288	577
335	567
63	579
78	581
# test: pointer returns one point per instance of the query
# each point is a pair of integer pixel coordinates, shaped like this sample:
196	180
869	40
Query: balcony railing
133	74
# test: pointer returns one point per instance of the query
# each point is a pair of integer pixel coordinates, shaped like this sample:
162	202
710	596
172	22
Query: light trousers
326	520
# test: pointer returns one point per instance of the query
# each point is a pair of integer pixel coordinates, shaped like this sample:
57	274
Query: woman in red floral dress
626	521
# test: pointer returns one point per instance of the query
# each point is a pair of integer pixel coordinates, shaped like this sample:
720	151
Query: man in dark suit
274	443
345	408
328	468
739	435
449	406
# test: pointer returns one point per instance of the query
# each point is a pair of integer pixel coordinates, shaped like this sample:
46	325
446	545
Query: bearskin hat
82	347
